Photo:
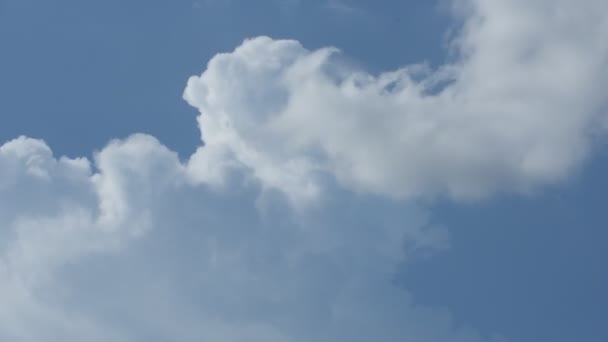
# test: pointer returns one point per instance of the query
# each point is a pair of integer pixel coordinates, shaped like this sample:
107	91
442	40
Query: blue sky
101	51
334	217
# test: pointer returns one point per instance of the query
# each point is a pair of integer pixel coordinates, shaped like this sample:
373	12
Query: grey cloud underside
285	225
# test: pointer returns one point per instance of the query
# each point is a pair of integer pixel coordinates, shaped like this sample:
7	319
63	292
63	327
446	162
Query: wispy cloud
342	6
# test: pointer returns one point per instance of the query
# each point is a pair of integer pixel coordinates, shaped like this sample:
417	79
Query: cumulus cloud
513	112
134	248
286	224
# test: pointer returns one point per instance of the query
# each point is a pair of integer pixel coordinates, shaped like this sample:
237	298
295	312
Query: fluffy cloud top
138	245
515	110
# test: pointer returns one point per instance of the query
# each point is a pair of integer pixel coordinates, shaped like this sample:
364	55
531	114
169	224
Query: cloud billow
514	112
288	223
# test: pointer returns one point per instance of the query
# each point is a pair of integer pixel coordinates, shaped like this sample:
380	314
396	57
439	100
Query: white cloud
139	250
514	112
137	245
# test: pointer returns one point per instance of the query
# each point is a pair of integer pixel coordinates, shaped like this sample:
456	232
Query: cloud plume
516	110
287	223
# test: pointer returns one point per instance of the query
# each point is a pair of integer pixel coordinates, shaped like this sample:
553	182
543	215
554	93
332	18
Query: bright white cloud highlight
516	111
